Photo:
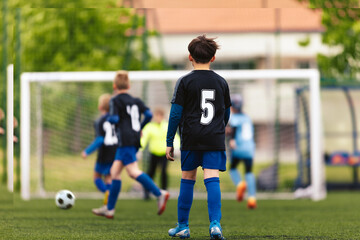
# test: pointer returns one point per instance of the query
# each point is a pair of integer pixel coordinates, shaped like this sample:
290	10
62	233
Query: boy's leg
213	162
109	210
99	183
212	183
164	177
151	172
185	200
108	186
251	184
116	170
234	173
162	195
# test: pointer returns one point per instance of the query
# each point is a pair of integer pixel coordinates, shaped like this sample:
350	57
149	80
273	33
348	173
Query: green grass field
337	217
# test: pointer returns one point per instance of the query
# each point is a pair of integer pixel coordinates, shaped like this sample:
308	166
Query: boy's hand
83	155
232	144
170	153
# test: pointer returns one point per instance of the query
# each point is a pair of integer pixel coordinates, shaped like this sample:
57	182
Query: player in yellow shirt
153	136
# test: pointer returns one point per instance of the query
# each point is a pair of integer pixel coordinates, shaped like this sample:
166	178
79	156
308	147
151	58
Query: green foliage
62	35
342	34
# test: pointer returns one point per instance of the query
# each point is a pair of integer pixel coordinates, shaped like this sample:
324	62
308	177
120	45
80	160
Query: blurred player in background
106	149
153	136
242	147
125	113
2	116
201	107
15	125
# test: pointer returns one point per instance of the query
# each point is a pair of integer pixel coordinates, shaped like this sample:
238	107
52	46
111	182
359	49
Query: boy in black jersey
201	108
125	113
106	149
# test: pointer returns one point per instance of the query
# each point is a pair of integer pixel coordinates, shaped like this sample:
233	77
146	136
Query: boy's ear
212	59
190	58
114	86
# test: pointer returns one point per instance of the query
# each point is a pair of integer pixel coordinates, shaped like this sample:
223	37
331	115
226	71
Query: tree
342	33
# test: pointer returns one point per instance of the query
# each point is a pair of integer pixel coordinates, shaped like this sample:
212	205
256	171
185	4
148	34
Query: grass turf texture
335	218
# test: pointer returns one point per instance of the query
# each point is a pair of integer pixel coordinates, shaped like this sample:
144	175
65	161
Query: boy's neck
119	91
103	112
201	66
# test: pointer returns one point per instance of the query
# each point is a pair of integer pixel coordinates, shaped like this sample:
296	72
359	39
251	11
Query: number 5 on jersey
208	108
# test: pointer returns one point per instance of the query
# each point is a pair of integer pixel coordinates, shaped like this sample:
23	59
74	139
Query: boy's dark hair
202	49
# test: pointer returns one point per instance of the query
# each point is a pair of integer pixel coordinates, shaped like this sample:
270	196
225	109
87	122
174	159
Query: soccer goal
58	110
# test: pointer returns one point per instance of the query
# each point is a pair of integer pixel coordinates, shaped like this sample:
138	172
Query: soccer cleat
251	204
240	190
215	231
181	230
103	211
162	200
106	197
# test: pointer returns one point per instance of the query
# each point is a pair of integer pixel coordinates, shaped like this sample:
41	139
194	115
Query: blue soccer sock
114	193
213	198
108	186
251	184
185	200
148	184
235	176
99	183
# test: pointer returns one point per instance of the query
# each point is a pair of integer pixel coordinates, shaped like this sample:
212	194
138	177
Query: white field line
173	195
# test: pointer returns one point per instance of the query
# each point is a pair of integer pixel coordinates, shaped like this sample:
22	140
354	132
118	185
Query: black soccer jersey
129	110
204	96
106	154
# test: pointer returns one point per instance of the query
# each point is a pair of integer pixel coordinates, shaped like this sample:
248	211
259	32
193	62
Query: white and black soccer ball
65	199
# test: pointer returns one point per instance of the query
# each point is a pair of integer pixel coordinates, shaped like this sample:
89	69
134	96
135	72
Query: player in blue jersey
106	149
125	113
242	146
201	108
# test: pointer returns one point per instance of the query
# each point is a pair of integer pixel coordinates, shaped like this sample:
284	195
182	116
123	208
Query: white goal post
311	75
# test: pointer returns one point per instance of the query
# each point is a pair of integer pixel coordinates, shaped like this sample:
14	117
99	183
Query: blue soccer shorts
191	160
126	154
103	168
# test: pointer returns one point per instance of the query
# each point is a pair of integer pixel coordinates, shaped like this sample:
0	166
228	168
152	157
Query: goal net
58	110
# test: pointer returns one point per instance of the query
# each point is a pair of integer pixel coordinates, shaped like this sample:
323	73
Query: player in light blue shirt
242	146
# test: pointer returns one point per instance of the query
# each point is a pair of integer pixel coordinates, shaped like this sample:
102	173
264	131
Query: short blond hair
121	80
159	111
104	100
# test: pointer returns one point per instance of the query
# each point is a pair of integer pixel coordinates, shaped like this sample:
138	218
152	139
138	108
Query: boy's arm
98	141
148	116
174	120
227	115
113	113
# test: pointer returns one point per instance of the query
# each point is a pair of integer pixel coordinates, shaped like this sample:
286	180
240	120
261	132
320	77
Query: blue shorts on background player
201	109
125	114
242	146
106	151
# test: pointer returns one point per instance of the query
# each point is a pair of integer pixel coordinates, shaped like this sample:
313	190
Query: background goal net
58	110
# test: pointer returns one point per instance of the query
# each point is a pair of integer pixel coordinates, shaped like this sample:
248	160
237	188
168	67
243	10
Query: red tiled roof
209	16
189	20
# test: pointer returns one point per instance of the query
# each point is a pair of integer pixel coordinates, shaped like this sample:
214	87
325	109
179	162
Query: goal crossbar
310	75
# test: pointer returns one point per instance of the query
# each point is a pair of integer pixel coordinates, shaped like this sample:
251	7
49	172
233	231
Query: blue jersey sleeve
113	117
98	141
174	120
148	116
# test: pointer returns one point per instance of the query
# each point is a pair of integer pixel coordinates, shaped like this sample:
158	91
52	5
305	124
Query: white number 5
207	107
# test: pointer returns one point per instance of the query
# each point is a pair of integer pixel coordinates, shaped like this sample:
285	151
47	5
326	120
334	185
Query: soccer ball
65	199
